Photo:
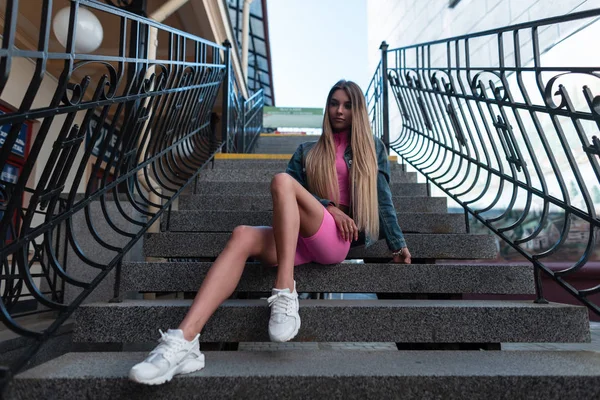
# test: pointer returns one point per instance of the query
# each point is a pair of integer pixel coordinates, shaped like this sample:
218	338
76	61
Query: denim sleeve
296	170
388	220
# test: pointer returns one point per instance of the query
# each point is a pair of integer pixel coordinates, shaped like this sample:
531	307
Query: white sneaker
284	323
174	355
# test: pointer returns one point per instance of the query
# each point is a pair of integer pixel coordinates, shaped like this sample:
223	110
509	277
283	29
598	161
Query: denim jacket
388	220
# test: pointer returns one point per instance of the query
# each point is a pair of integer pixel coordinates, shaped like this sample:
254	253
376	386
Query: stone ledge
407	321
265	203
265	175
412	375
220	221
441	246
258	188
341	278
280	164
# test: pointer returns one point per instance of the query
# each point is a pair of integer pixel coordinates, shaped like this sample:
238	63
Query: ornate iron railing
233	112
504	122
117	136
374	102
253	116
243	118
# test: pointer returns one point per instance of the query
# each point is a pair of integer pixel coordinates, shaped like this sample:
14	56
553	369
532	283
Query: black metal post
242	143
225	120
384	92
138	49
539	287
467	223
117	285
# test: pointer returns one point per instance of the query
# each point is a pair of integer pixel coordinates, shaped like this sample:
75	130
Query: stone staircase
280	144
423	309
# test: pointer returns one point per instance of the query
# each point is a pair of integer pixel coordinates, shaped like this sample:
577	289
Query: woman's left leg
295	211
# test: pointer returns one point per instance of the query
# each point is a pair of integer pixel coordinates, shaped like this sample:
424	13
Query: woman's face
340	111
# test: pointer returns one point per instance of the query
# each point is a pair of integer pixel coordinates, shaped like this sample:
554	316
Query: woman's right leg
179	351
224	275
295	211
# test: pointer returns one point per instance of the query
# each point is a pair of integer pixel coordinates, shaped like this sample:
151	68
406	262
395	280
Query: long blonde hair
320	163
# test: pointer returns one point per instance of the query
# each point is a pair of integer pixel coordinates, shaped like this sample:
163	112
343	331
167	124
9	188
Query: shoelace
168	344
281	303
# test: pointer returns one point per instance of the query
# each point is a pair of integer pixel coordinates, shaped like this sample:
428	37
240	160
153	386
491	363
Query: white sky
315	43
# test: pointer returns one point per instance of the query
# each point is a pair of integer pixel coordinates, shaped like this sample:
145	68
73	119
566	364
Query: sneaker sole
290	338
185	367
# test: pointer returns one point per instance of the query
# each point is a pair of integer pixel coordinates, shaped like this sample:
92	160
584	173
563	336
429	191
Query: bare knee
242	236
281	183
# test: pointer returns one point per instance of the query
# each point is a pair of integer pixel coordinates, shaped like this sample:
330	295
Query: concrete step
440	246
340	278
258	188
225	221
264	203
277	145
287	148
265	175
279	139
410	375
277	165
407	321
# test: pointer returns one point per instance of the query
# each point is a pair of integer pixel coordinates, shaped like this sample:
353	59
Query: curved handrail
120	137
507	127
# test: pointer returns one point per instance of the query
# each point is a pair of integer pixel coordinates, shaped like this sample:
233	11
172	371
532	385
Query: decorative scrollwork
446	86
544	205
594	148
593	101
113	124
157	81
478	87
77	91
393	78
108	82
413	80
565	102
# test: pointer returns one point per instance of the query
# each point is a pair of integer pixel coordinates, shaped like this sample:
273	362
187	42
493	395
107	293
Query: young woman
332	190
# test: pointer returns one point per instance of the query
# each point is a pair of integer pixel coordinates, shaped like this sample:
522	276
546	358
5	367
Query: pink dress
327	246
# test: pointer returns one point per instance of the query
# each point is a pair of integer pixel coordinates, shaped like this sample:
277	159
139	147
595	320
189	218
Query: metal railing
118	136
374	103
253	116
505	123
243	118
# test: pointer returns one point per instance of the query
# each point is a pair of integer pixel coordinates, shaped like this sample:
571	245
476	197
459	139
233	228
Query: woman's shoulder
309	144
378	142
305	146
379	146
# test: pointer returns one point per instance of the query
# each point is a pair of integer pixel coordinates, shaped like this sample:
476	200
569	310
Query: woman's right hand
346	226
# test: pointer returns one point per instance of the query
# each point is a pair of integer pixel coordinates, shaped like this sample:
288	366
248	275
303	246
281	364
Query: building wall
406	22
568	44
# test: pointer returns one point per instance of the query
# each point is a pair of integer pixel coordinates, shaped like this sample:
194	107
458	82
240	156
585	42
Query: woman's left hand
404	257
